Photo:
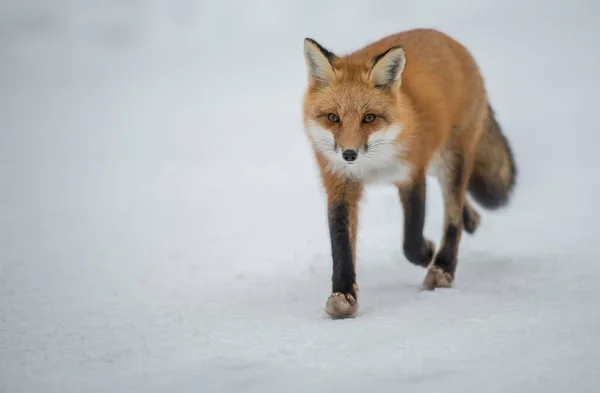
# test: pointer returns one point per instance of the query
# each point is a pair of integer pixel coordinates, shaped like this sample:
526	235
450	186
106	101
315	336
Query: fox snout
349	155
349	152
351	145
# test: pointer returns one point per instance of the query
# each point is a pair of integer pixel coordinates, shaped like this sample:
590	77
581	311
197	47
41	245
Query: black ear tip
391	49
330	56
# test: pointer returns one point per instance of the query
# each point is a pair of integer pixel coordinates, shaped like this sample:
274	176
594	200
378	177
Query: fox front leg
342	210
417	249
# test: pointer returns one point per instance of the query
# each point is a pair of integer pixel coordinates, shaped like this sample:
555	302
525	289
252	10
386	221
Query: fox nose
349	155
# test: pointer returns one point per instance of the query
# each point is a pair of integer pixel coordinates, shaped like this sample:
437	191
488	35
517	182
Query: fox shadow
386	286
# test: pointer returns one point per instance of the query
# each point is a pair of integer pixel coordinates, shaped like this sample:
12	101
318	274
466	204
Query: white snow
162	225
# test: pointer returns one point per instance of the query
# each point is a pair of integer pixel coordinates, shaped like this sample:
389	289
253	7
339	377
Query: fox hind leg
453	183
470	217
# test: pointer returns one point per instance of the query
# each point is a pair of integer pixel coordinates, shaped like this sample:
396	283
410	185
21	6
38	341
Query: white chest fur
396	173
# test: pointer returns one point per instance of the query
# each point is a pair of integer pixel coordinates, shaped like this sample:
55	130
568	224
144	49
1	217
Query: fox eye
370	118
333	118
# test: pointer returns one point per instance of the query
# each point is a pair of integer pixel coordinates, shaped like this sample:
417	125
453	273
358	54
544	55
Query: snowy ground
162	227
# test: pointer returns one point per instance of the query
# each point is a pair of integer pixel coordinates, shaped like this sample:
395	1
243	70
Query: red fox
406	106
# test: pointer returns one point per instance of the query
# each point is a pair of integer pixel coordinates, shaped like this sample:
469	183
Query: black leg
417	249
344	275
446	256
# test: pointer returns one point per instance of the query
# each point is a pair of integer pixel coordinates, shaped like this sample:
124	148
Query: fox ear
387	67
319	62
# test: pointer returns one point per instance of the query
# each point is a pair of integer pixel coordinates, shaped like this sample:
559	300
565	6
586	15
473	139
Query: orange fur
441	86
426	93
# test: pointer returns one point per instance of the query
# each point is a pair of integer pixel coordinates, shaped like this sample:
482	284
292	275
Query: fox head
353	109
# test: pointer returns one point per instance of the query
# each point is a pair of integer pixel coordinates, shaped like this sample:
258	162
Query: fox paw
471	219
341	305
420	255
437	278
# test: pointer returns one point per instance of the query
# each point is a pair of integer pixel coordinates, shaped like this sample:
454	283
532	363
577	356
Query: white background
162	225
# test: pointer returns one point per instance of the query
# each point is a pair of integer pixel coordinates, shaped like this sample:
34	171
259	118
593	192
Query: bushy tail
495	172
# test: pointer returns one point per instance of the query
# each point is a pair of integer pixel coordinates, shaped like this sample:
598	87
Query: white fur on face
378	162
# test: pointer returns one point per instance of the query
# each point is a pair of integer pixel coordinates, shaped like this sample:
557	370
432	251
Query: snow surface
162	225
